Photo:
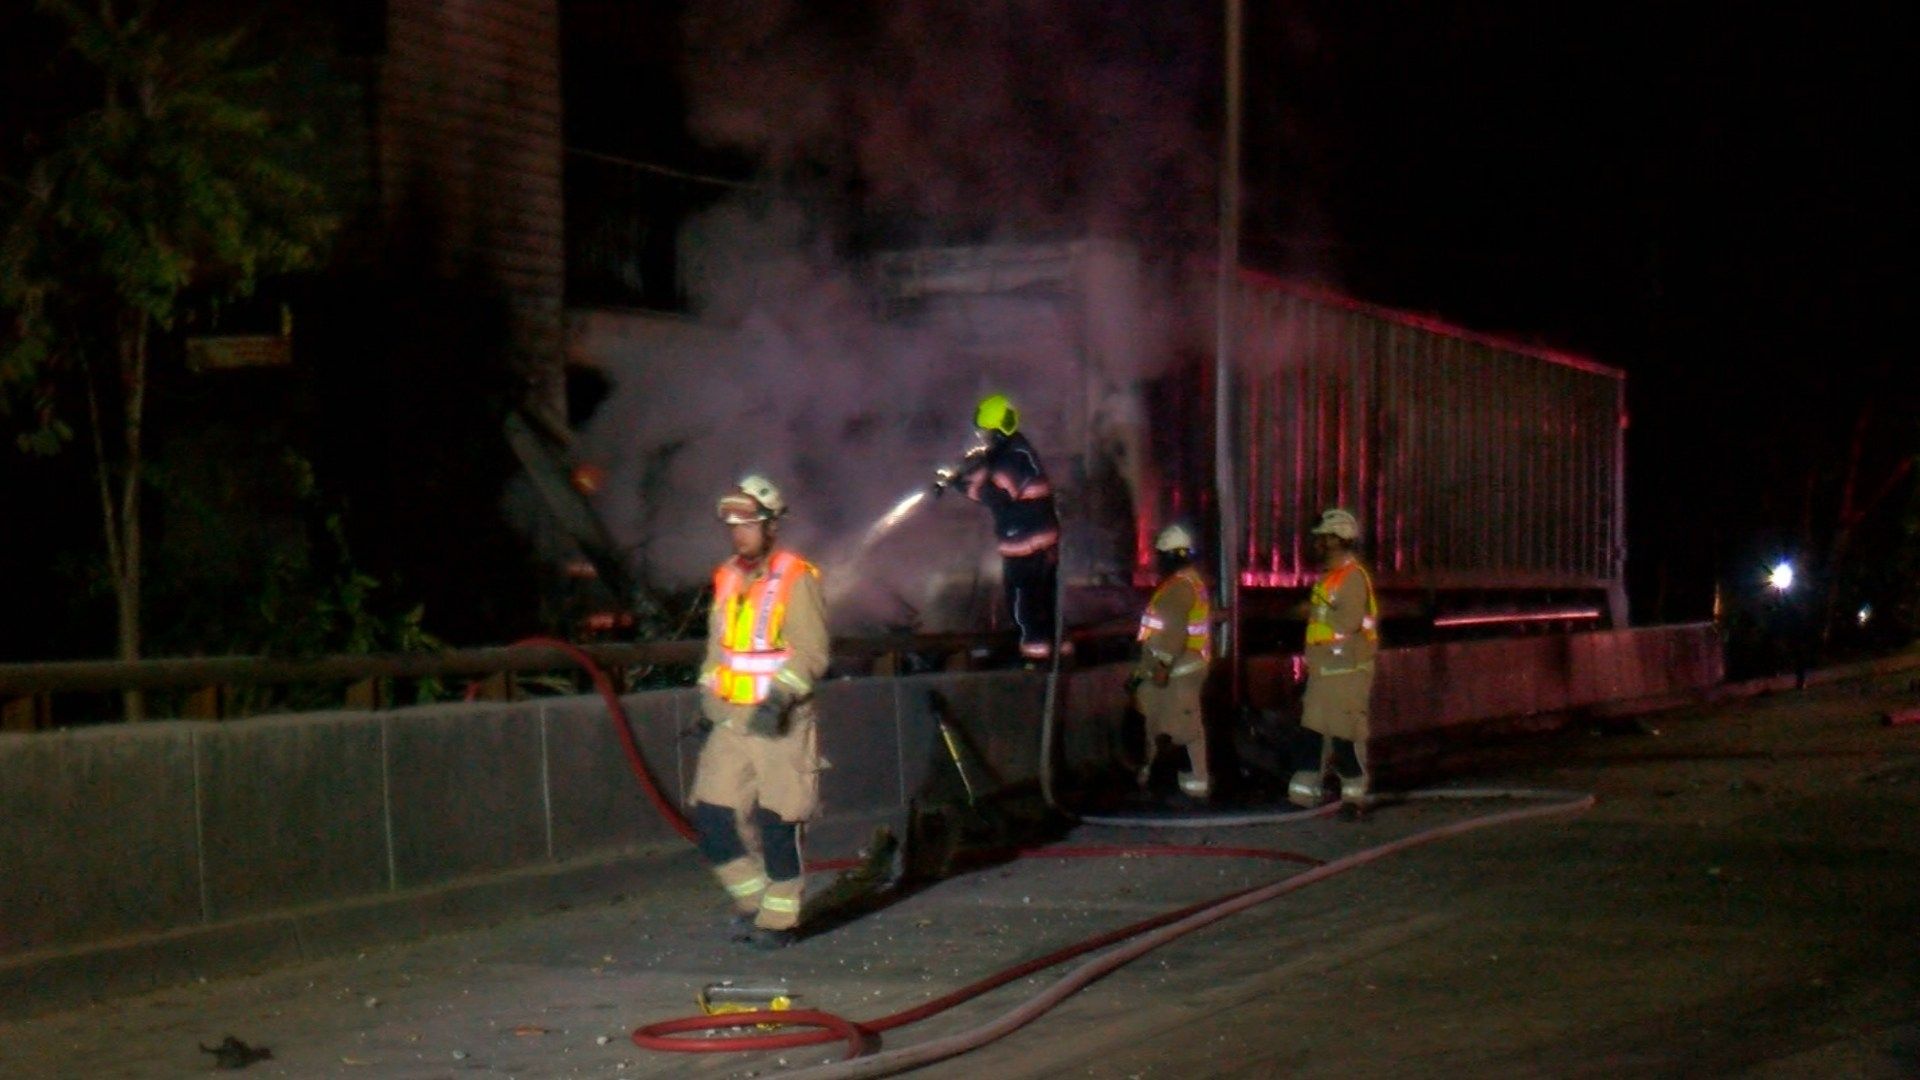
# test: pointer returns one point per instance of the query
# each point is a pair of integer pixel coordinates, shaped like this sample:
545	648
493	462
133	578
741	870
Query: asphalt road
1742	901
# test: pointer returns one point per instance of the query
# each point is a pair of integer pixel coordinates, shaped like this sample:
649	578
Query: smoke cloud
832	352
992	119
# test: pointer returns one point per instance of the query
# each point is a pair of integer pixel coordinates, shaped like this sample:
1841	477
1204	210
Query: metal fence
1472	463
209	688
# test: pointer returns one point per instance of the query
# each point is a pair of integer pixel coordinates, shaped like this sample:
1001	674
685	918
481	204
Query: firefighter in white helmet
1176	648
1343	636
760	765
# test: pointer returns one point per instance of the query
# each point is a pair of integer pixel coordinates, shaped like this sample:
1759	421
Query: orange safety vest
1199	620
1319	630
752	626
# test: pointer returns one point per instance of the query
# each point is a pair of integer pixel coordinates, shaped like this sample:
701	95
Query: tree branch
102	474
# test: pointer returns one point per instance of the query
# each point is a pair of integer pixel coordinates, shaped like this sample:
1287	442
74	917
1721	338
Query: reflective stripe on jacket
1009	480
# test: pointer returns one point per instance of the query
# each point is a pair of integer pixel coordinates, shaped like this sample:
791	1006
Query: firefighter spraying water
1003	473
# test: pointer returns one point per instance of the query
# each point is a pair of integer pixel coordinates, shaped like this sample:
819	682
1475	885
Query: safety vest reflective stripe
750	887
1154	623
783	904
755	663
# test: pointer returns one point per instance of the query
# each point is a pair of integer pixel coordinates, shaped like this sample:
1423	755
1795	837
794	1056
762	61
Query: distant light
1866	614
1780	578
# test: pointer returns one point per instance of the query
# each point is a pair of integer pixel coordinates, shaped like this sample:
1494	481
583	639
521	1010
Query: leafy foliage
173	182
315	600
177	180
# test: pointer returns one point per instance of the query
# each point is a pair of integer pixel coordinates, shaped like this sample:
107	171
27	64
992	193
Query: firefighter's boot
1307	789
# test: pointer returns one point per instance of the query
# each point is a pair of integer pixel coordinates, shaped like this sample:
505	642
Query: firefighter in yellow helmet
1003	473
760	765
1176	647
1343	636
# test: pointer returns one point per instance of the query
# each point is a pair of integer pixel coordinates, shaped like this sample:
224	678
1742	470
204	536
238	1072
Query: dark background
1716	200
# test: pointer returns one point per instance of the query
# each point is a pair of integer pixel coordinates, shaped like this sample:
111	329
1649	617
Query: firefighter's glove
769	717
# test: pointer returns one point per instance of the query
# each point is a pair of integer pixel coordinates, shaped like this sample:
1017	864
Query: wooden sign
227	351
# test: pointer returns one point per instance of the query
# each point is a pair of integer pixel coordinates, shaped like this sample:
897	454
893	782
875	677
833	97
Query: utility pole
1225	329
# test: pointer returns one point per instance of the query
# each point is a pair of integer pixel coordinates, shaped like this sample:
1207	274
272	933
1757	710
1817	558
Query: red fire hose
1182	923
658	1036
624	728
1148	933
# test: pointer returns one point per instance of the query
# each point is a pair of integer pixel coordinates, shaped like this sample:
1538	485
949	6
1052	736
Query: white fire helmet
1173	538
1340	523
755	499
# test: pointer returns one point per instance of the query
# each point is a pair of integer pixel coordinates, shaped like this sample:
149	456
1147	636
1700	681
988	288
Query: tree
177	183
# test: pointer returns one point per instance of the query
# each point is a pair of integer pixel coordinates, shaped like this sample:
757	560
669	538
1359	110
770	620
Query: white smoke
805	381
847	381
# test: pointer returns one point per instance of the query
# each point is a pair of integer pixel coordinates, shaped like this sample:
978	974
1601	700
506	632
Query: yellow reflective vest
1162	612
1343	629
753	652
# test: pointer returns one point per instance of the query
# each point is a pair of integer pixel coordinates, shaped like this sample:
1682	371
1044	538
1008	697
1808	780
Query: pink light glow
1491	618
1321	294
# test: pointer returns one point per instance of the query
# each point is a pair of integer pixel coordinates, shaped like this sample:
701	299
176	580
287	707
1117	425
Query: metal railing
27	691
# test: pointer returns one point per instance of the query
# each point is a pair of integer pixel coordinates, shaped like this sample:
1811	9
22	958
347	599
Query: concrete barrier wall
1425	690
116	833
98	835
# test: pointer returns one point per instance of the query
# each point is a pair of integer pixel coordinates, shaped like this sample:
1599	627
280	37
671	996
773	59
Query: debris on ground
234	1054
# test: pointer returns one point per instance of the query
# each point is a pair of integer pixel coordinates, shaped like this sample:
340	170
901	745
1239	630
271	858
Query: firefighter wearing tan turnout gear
1343	636
760	766
1176	647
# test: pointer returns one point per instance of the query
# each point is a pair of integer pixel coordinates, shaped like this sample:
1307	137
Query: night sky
1721	207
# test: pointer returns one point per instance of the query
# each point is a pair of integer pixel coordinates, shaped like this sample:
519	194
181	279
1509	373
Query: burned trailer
1488	475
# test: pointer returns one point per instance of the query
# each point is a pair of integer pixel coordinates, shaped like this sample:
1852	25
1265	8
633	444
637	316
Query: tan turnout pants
1174	710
